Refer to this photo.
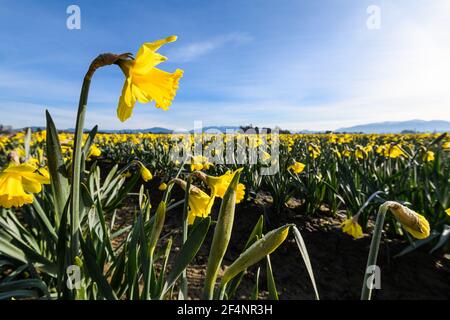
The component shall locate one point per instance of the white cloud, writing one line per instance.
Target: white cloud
(195, 50)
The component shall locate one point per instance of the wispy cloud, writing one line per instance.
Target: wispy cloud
(195, 50)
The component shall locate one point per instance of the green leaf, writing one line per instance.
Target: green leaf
(89, 141)
(23, 288)
(56, 167)
(304, 253)
(44, 219)
(255, 234)
(95, 271)
(164, 267)
(271, 287)
(416, 244)
(187, 252)
(443, 238)
(255, 291)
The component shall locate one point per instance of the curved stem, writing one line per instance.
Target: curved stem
(366, 291)
(101, 61)
(76, 168)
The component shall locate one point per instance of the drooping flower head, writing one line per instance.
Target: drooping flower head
(199, 203)
(145, 173)
(416, 224)
(352, 227)
(18, 182)
(144, 82)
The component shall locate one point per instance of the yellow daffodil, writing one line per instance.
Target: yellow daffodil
(162, 186)
(95, 151)
(144, 82)
(392, 151)
(314, 151)
(199, 163)
(347, 153)
(199, 202)
(219, 185)
(352, 227)
(146, 174)
(446, 145)
(297, 167)
(447, 211)
(416, 224)
(18, 182)
(360, 152)
(429, 156)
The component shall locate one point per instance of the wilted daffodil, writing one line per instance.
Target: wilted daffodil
(144, 82)
(219, 185)
(352, 227)
(18, 182)
(297, 167)
(199, 202)
(411, 221)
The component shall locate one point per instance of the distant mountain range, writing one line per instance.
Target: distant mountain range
(149, 130)
(399, 126)
(378, 127)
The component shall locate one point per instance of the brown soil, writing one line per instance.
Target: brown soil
(338, 261)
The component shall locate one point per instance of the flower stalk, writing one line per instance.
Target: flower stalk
(221, 238)
(366, 292)
(101, 61)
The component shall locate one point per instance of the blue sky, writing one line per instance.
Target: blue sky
(291, 63)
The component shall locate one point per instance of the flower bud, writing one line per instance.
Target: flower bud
(257, 251)
(157, 225)
(413, 222)
(222, 235)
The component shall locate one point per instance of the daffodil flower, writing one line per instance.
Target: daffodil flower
(199, 203)
(146, 174)
(18, 182)
(297, 167)
(144, 82)
(94, 151)
(416, 224)
(162, 186)
(219, 185)
(352, 227)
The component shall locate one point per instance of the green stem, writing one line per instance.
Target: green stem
(222, 289)
(366, 292)
(76, 169)
(101, 61)
(184, 282)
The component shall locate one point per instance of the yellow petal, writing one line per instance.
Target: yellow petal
(160, 86)
(147, 57)
(126, 102)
